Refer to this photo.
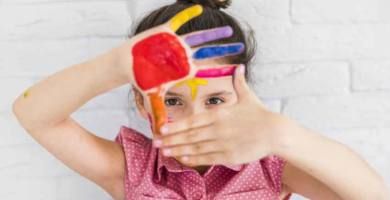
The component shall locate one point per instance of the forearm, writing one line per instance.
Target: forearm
(54, 98)
(332, 163)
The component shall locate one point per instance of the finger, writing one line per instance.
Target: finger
(159, 113)
(216, 72)
(191, 136)
(184, 16)
(201, 37)
(192, 122)
(204, 159)
(193, 149)
(240, 84)
(218, 51)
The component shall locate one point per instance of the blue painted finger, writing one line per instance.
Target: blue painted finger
(219, 51)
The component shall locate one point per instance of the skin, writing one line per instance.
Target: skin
(161, 58)
(45, 114)
(102, 161)
(191, 135)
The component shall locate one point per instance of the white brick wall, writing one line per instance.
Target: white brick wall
(325, 63)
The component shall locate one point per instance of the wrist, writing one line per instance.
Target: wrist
(123, 61)
(288, 133)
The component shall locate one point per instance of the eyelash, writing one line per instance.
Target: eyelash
(166, 101)
(178, 100)
(216, 98)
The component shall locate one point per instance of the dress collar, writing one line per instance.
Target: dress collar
(172, 165)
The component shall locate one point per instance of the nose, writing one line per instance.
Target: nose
(196, 109)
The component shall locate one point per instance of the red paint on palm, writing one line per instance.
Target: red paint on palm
(159, 59)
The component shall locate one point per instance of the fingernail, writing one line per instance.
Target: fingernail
(242, 69)
(185, 158)
(164, 129)
(167, 152)
(157, 143)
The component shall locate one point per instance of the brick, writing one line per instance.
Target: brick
(263, 13)
(30, 161)
(289, 80)
(77, 187)
(12, 132)
(340, 11)
(23, 2)
(106, 123)
(370, 144)
(275, 10)
(9, 94)
(41, 58)
(301, 43)
(42, 189)
(344, 111)
(371, 75)
(114, 99)
(140, 8)
(272, 105)
(82, 19)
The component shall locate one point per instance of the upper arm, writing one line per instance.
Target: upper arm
(98, 159)
(299, 182)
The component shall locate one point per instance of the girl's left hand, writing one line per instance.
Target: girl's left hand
(241, 133)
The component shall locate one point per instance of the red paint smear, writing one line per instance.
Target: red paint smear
(159, 59)
(216, 72)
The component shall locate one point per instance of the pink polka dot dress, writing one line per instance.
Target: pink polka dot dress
(151, 175)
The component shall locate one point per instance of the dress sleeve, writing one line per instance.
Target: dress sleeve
(137, 149)
(273, 166)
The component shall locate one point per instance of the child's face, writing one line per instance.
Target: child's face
(199, 95)
(196, 96)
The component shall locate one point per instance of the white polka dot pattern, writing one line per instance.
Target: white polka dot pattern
(150, 175)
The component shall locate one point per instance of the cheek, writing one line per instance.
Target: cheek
(178, 113)
(233, 100)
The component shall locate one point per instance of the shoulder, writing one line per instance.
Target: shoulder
(128, 135)
(138, 150)
(273, 167)
(133, 142)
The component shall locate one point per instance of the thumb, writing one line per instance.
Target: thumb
(240, 85)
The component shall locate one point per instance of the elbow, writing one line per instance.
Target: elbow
(19, 115)
(15, 110)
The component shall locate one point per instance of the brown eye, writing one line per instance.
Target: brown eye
(172, 102)
(214, 101)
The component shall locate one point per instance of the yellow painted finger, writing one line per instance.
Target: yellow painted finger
(184, 16)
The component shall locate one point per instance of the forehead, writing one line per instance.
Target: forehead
(213, 85)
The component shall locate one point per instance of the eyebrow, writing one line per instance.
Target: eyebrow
(211, 94)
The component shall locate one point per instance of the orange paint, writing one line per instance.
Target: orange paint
(159, 114)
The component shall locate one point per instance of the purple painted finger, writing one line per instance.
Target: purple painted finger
(209, 35)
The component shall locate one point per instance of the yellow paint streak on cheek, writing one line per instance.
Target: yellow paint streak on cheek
(193, 85)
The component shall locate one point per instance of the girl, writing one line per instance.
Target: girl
(220, 143)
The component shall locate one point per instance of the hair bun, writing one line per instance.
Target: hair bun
(215, 4)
